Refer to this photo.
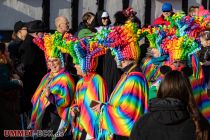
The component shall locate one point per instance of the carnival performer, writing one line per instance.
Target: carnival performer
(90, 87)
(155, 58)
(173, 115)
(205, 57)
(56, 88)
(128, 101)
(180, 41)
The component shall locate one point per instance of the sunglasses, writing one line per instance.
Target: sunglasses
(104, 18)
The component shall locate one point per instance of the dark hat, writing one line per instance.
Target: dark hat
(36, 26)
(19, 25)
(166, 7)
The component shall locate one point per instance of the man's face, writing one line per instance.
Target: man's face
(54, 64)
(166, 14)
(22, 33)
(79, 70)
(64, 25)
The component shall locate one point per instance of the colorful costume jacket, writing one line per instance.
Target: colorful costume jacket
(91, 87)
(127, 103)
(152, 74)
(62, 88)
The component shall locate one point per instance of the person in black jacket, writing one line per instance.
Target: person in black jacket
(18, 36)
(34, 63)
(173, 115)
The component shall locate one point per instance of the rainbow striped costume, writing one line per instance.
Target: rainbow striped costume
(91, 87)
(127, 103)
(198, 86)
(62, 88)
(152, 74)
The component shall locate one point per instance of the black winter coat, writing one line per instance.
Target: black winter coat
(168, 119)
(34, 69)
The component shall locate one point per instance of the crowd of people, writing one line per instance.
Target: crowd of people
(103, 83)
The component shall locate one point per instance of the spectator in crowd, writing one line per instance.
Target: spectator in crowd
(62, 24)
(86, 27)
(107, 66)
(19, 34)
(193, 11)
(205, 57)
(119, 18)
(33, 60)
(102, 20)
(10, 92)
(8, 79)
(130, 14)
(54, 95)
(173, 114)
(167, 10)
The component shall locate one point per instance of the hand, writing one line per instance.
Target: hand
(206, 63)
(15, 76)
(46, 92)
(20, 83)
(95, 106)
(46, 102)
(75, 112)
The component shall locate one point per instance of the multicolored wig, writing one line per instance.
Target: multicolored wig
(192, 26)
(84, 52)
(50, 45)
(180, 48)
(180, 39)
(123, 42)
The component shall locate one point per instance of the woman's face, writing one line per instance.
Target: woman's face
(105, 20)
(54, 64)
(89, 21)
(79, 70)
(155, 52)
